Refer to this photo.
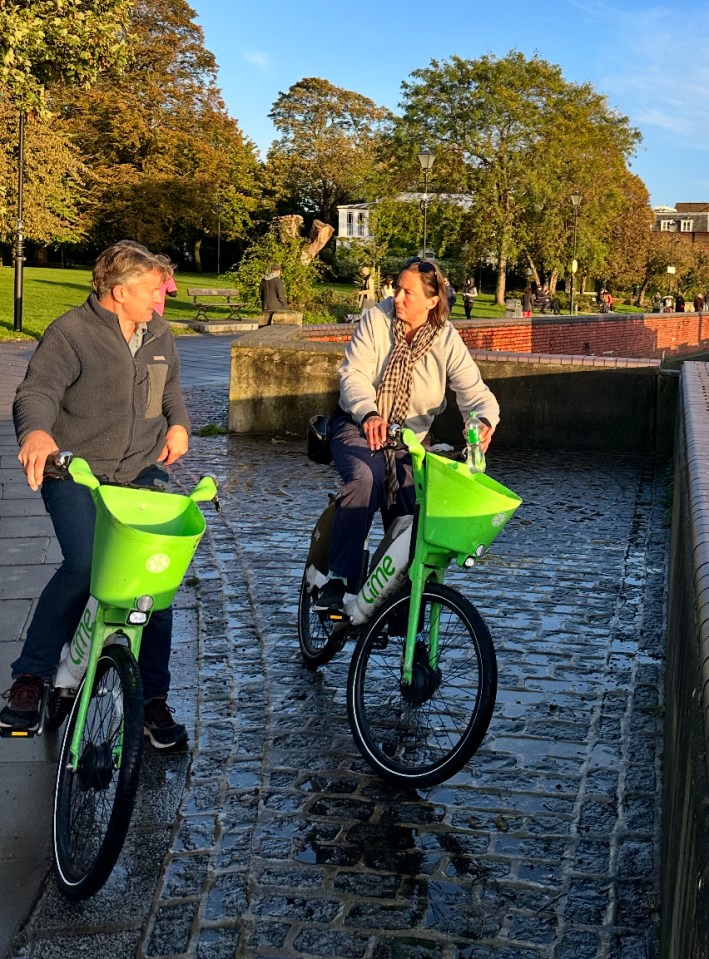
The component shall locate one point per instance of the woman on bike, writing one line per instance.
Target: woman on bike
(397, 365)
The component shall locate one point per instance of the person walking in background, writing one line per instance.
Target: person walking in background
(656, 303)
(527, 301)
(450, 293)
(698, 303)
(367, 294)
(272, 291)
(388, 287)
(679, 304)
(469, 293)
(168, 287)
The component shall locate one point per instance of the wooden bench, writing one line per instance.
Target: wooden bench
(207, 300)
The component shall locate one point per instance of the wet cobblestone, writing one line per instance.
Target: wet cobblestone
(545, 846)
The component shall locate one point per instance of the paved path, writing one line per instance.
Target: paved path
(282, 844)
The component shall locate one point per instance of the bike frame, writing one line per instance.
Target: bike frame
(108, 622)
(427, 563)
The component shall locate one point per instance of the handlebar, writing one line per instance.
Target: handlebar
(64, 465)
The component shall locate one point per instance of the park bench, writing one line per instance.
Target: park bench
(211, 299)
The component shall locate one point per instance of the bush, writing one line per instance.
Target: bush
(299, 277)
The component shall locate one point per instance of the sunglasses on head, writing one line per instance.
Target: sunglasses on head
(424, 265)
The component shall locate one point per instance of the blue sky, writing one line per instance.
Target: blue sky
(650, 60)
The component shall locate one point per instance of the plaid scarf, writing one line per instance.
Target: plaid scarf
(394, 392)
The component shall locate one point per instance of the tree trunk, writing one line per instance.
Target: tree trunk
(553, 280)
(197, 257)
(501, 279)
(533, 269)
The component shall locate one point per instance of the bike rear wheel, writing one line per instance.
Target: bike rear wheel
(420, 735)
(315, 631)
(94, 803)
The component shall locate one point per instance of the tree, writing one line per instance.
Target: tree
(168, 165)
(325, 152)
(519, 139)
(53, 180)
(47, 42)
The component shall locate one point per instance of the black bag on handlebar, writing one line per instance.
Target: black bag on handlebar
(319, 440)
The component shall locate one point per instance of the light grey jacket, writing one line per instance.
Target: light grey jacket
(448, 362)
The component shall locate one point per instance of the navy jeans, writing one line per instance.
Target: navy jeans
(363, 493)
(63, 599)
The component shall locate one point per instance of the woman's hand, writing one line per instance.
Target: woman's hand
(375, 432)
(486, 436)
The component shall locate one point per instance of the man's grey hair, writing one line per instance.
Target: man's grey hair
(126, 261)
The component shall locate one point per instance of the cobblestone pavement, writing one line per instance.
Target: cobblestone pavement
(286, 845)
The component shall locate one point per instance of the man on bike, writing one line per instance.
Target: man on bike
(103, 383)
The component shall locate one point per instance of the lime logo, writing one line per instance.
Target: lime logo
(499, 519)
(378, 580)
(157, 563)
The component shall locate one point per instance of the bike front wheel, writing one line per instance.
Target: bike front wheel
(93, 803)
(420, 734)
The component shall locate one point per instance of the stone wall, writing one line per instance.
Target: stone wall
(685, 847)
(640, 335)
(279, 380)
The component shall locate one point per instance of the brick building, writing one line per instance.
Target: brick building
(690, 221)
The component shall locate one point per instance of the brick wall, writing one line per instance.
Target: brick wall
(648, 335)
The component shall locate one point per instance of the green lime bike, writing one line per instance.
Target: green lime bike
(143, 543)
(423, 677)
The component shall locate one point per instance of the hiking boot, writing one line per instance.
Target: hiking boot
(331, 597)
(159, 726)
(24, 699)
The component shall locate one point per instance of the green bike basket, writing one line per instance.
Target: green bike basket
(143, 544)
(464, 511)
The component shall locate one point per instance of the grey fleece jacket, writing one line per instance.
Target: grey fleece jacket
(85, 389)
(448, 362)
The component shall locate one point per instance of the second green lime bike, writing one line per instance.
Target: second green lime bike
(423, 677)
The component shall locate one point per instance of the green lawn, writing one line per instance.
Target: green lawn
(49, 292)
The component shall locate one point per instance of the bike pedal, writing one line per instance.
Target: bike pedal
(8, 733)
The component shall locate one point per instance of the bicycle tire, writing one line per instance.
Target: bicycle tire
(93, 805)
(314, 631)
(423, 735)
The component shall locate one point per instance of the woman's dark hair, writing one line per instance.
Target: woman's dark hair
(432, 282)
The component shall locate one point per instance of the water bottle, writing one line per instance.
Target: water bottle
(475, 456)
(75, 654)
(389, 569)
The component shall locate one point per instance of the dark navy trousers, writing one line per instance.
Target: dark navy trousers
(363, 493)
(62, 602)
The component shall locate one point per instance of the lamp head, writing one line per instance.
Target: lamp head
(576, 200)
(426, 159)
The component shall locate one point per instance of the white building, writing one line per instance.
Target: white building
(353, 218)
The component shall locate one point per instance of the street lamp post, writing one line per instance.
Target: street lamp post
(426, 159)
(19, 240)
(219, 238)
(576, 203)
(671, 270)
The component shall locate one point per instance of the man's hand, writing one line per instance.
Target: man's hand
(375, 432)
(177, 443)
(34, 452)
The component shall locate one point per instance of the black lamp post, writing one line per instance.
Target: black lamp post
(426, 159)
(19, 239)
(219, 238)
(576, 203)
(672, 228)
